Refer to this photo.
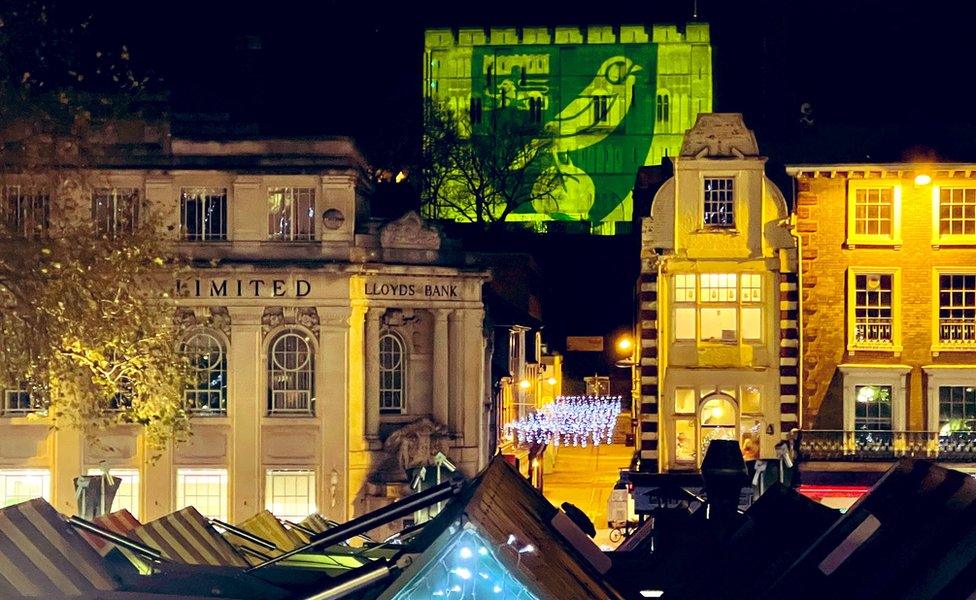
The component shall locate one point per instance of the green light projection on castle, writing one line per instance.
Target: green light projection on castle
(615, 99)
(465, 567)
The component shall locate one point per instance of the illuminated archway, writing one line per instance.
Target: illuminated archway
(718, 419)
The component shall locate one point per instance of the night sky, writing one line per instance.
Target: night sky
(881, 77)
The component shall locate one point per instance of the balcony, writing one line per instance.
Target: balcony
(839, 445)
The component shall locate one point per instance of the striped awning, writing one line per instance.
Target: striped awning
(265, 525)
(42, 556)
(317, 523)
(120, 521)
(186, 536)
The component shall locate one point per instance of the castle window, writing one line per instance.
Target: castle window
(719, 202)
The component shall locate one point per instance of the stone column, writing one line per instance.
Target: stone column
(456, 388)
(372, 364)
(442, 367)
(246, 403)
(333, 391)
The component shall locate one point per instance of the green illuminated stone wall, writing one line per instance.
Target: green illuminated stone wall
(616, 98)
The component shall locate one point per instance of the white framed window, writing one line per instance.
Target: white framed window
(956, 326)
(702, 414)
(718, 201)
(203, 214)
(115, 210)
(954, 214)
(127, 496)
(873, 213)
(874, 397)
(21, 485)
(207, 355)
(291, 374)
(291, 213)
(874, 304)
(392, 374)
(17, 401)
(290, 494)
(957, 408)
(26, 211)
(203, 489)
(724, 307)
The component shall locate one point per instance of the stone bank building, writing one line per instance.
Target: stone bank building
(335, 354)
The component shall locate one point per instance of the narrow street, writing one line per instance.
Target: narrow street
(585, 477)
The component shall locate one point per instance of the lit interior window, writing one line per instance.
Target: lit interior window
(290, 495)
(21, 485)
(203, 489)
(127, 497)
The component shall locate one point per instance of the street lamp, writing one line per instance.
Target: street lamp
(625, 344)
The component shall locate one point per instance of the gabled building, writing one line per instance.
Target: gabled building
(888, 278)
(717, 290)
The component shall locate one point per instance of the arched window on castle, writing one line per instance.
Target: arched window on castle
(392, 374)
(207, 355)
(291, 374)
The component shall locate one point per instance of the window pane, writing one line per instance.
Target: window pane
(751, 400)
(392, 374)
(684, 323)
(203, 214)
(685, 400)
(21, 485)
(751, 323)
(208, 360)
(291, 214)
(719, 201)
(873, 211)
(718, 324)
(684, 440)
(290, 495)
(957, 309)
(291, 374)
(957, 409)
(203, 489)
(873, 308)
(872, 407)
(750, 438)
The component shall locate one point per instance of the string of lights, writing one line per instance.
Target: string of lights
(569, 421)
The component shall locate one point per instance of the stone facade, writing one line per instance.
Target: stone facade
(358, 298)
(717, 291)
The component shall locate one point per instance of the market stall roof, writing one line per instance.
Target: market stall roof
(41, 555)
(912, 536)
(186, 536)
(120, 521)
(521, 543)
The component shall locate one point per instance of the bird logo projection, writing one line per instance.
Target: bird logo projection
(588, 119)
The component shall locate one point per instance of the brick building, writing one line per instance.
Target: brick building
(888, 282)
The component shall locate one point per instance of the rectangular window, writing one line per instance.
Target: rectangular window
(535, 110)
(290, 495)
(26, 212)
(203, 214)
(21, 485)
(957, 408)
(957, 211)
(872, 407)
(663, 108)
(751, 399)
(719, 202)
(291, 215)
(475, 111)
(957, 309)
(684, 400)
(684, 440)
(874, 211)
(115, 210)
(873, 309)
(127, 496)
(16, 402)
(204, 489)
(723, 308)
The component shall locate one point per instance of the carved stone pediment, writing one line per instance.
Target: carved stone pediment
(410, 232)
(719, 135)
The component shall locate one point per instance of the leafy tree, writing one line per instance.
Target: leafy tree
(86, 321)
(484, 173)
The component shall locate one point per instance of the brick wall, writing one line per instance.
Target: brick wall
(821, 210)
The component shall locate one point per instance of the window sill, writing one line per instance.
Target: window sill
(286, 415)
(730, 230)
(276, 242)
(879, 242)
(936, 349)
(954, 241)
(210, 419)
(889, 349)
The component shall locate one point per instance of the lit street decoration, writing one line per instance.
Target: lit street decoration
(570, 421)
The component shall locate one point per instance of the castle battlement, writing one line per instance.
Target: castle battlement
(695, 33)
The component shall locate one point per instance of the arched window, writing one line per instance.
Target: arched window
(393, 374)
(291, 374)
(207, 393)
(718, 420)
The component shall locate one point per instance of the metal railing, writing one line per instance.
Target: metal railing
(863, 445)
(873, 330)
(961, 332)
